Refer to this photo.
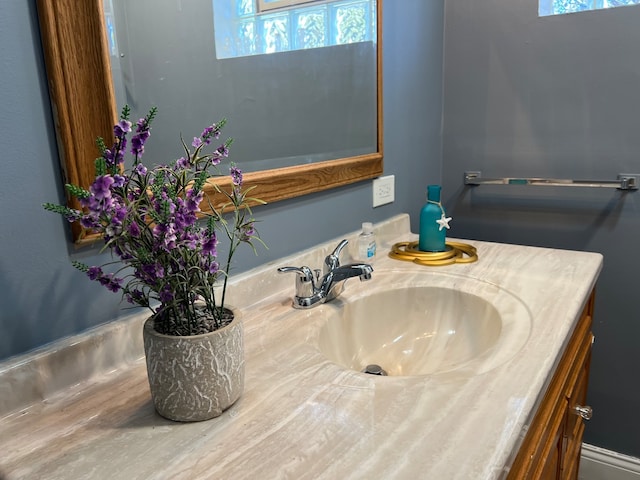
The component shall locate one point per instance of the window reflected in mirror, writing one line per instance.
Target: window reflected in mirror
(559, 7)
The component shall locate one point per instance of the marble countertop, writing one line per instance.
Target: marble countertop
(81, 409)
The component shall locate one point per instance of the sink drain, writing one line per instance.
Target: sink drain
(374, 369)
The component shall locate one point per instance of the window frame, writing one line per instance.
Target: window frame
(263, 6)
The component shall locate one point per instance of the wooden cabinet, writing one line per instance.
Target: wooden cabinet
(551, 448)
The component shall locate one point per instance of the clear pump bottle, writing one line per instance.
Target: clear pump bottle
(367, 243)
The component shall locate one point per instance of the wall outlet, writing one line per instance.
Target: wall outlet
(384, 190)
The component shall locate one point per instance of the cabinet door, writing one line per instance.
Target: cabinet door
(551, 448)
(574, 428)
(551, 469)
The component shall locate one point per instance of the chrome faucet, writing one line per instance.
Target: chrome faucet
(312, 290)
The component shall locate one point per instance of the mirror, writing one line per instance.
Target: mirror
(291, 95)
(78, 65)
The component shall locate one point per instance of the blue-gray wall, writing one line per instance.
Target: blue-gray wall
(554, 97)
(43, 298)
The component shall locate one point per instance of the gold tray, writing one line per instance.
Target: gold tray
(455, 252)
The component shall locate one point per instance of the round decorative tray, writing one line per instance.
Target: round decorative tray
(455, 252)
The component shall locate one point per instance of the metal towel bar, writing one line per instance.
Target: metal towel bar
(625, 181)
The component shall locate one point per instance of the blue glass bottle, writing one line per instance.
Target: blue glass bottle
(432, 237)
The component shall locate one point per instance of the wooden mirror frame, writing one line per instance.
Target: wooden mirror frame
(83, 102)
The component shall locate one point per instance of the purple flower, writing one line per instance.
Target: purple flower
(247, 231)
(118, 180)
(141, 170)
(147, 273)
(210, 244)
(140, 138)
(216, 157)
(100, 199)
(108, 157)
(223, 151)
(210, 265)
(109, 280)
(137, 146)
(94, 273)
(236, 175)
(196, 142)
(159, 270)
(89, 221)
(119, 214)
(193, 201)
(101, 186)
(214, 267)
(134, 229)
(165, 234)
(144, 135)
(183, 222)
(97, 205)
(118, 157)
(189, 240)
(112, 283)
(166, 295)
(182, 163)
(212, 131)
(121, 128)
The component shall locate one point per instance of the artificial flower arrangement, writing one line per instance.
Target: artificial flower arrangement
(167, 257)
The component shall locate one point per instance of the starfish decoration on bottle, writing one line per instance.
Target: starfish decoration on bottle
(443, 222)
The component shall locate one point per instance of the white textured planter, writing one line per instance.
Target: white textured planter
(195, 378)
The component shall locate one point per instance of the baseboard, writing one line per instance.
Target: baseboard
(601, 464)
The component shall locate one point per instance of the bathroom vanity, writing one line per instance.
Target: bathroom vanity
(553, 443)
(493, 398)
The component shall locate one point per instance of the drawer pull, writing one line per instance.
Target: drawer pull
(586, 412)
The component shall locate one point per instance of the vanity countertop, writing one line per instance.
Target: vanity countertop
(82, 409)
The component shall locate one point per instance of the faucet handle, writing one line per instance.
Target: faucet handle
(305, 284)
(332, 261)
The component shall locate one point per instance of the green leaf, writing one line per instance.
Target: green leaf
(200, 181)
(211, 225)
(101, 145)
(126, 111)
(77, 191)
(83, 267)
(151, 115)
(101, 166)
(61, 209)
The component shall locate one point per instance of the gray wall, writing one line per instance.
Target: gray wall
(554, 97)
(43, 298)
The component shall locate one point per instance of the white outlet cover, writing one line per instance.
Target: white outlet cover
(383, 190)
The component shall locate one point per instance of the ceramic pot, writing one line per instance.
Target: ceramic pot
(197, 377)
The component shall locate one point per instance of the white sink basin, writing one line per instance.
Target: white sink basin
(430, 328)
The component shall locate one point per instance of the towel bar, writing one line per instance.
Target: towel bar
(625, 181)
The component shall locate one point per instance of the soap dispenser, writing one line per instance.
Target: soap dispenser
(367, 243)
(433, 222)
